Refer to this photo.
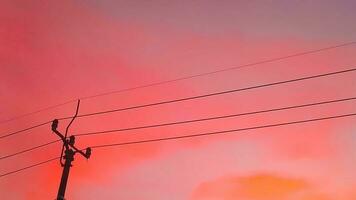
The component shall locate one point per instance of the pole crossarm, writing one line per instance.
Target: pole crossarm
(69, 151)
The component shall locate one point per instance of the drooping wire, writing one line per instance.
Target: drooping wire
(37, 111)
(188, 136)
(188, 122)
(221, 132)
(185, 78)
(66, 133)
(224, 70)
(220, 93)
(215, 117)
(25, 129)
(200, 96)
(29, 149)
(28, 167)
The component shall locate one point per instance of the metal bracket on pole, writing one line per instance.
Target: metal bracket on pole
(69, 150)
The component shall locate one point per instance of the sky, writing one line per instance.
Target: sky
(52, 52)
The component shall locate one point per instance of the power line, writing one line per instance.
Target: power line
(37, 111)
(216, 117)
(28, 167)
(224, 70)
(186, 122)
(221, 132)
(190, 136)
(185, 78)
(25, 129)
(29, 149)
(220, 93)
(198, 97)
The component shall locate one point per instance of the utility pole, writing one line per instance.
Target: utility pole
(69, 151)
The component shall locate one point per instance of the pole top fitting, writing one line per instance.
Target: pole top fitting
(54, 124)
(88, 152)
(71, 140)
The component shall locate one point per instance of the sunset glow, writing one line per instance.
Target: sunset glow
(55, 52)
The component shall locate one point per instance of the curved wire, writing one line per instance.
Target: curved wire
(217, 117)
(191, 136)
(224, 131)
(188, 77)
(29, 149)
(191, 121)
(66, 133)
(204, 95)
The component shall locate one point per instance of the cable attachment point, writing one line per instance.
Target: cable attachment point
(88, 152)
(71, 140)
(54, 125)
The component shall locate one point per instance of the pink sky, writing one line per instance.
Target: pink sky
(52, 52)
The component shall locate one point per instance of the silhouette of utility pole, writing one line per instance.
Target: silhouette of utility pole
(69, 151)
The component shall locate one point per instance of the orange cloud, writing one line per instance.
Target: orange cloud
(257, 187)
(270, 187)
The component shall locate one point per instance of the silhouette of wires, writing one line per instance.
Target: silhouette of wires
(215, 117)
(189, 136)
(29, 149)
(192, 98)
(187, 122)
(28, 167)
(220, 132)
(186, 78)
(221, 93)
